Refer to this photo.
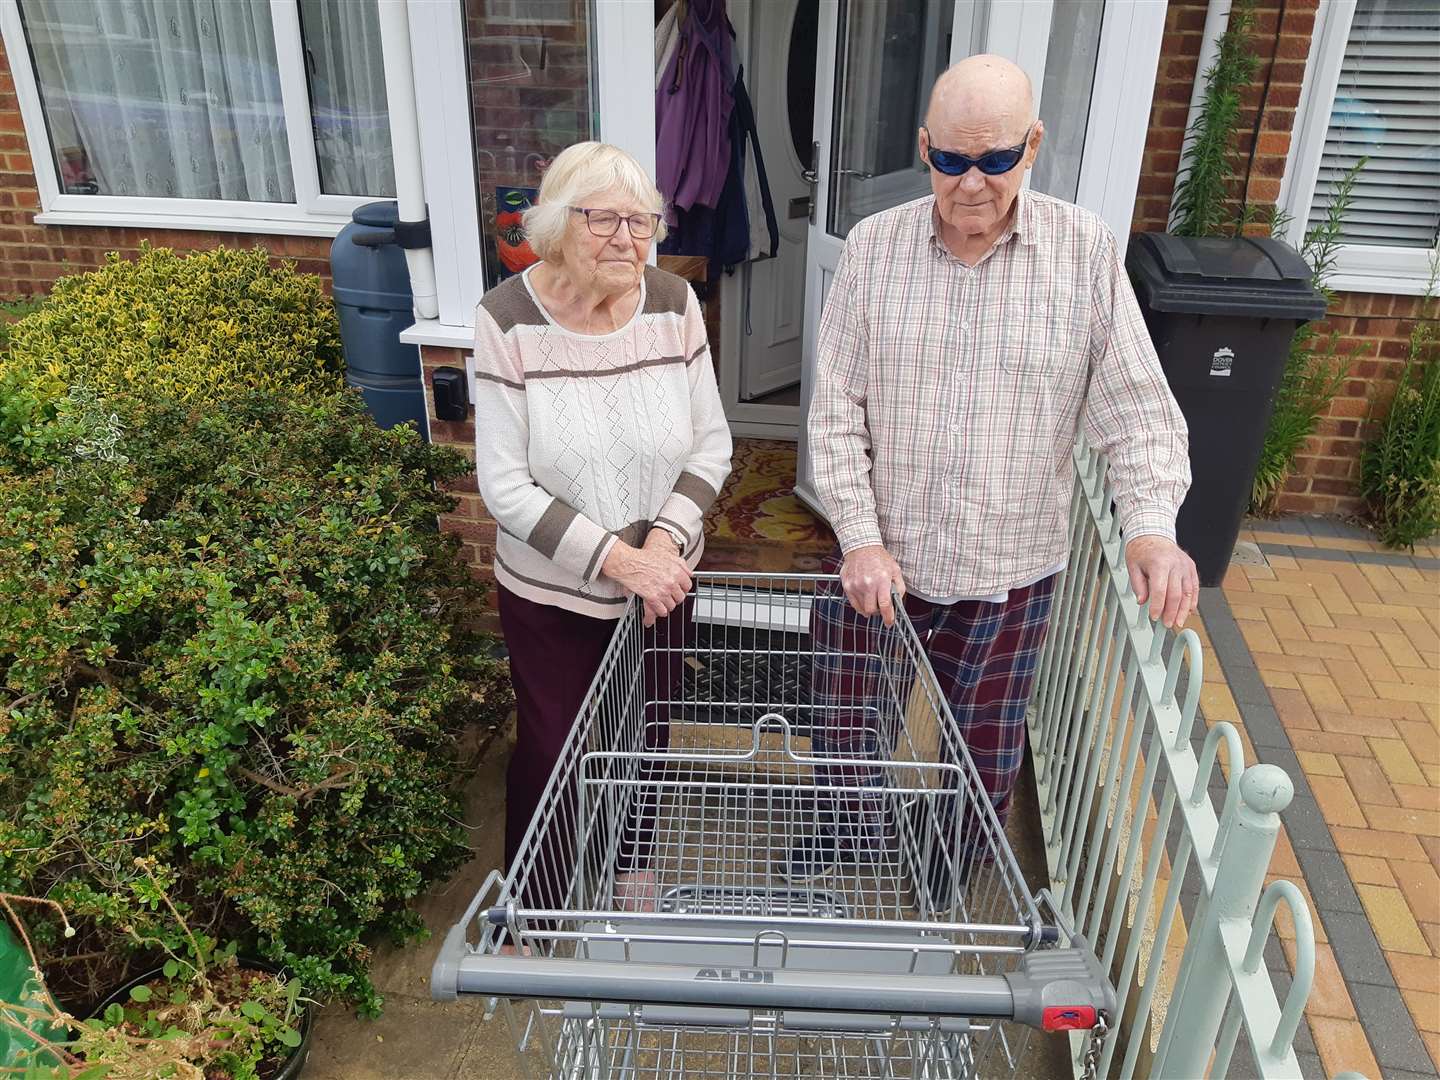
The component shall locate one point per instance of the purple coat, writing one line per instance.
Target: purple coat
(692, 110)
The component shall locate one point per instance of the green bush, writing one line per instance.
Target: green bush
(11, 312)
(201, 326)
(1400, 469)
(1207, 179)
(1313, 375)
(232, 643)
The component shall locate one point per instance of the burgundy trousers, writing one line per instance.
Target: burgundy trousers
(554, 657)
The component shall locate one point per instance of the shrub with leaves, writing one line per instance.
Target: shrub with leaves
(1400, 469)
(1312, 375)
(232, 642)
(11, 312)
(1207, 167)
(196, 327)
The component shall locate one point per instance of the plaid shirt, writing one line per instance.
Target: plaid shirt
(948, 397)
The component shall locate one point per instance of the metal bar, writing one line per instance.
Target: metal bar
(744, 988)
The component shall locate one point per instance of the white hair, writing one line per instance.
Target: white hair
(580, 172)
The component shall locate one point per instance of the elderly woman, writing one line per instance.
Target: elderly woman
(600, 444)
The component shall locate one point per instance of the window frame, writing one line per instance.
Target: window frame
(313, 213)
(1367, 268)
(623, 104)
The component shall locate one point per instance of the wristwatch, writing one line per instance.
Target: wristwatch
(675, 535)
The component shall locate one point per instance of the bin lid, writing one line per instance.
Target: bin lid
(384, 214)
(1249, 276)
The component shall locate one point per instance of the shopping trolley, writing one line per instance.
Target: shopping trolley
(765, 852)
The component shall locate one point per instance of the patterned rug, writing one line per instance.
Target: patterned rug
(757, 523)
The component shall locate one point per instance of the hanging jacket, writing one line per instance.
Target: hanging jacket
(723, 234)
(692, 110)
(753, 181)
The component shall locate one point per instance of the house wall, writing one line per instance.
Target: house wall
(469, 520)
(32, 256)
(1373, 329)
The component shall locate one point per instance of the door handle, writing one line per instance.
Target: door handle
(811, 176)
(858, 174)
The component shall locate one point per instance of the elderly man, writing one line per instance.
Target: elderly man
(967, 337)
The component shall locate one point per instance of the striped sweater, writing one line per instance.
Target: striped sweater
(585, 439)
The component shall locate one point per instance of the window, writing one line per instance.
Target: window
(1372, 93)
(531, 95)
(209, 113)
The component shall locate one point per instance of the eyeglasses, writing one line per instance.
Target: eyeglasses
(607, 222)
(995, 163)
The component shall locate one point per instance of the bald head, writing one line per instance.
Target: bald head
(982, 92)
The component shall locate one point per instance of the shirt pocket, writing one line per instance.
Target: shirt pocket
(1046, 338)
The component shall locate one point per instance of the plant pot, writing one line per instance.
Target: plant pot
(17, 987)
(294, 1064)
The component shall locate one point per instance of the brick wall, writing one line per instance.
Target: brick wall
(33, 256)
(469, 520)
(1179, 56)
(1375, 334)
(1373, 329)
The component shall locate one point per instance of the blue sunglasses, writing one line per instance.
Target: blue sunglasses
(995, 163)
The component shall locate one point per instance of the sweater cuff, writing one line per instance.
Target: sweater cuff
(571, 540)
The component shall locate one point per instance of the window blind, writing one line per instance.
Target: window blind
(1387, 110)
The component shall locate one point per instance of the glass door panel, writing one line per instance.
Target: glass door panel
(889, 54)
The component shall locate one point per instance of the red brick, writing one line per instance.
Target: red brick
(1288, 71)
(1266, 191)
(1349, 407)
(1292, 46)
(1189, 17)
(1325, 486)
(1276, 119)
(1268, 166)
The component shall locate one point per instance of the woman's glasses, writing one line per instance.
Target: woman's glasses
(994, 163)
(607, 222)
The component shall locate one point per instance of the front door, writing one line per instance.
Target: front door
(876, 61)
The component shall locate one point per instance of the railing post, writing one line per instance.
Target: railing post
(1203, 984)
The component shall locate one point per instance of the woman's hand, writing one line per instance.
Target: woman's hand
(655, 573)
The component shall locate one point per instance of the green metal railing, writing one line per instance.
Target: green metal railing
(1168, 887)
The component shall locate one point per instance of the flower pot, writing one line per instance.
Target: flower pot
(18, 987)
(293, 1065)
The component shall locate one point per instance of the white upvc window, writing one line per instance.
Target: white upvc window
(237, 115)
(1371, 90)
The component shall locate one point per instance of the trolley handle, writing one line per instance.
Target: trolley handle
(1059, 989)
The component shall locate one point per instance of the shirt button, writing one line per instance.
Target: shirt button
(965, 326)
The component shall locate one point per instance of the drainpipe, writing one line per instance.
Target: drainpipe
(1217, 18)
(413, 229)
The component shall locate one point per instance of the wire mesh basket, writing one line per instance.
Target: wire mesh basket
(764, 852)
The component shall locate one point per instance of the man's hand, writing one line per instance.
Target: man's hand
(1164, 577)
(867, 577)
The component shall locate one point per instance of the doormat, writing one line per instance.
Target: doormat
(757, 523)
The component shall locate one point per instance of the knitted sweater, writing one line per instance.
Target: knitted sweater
(585, 439)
